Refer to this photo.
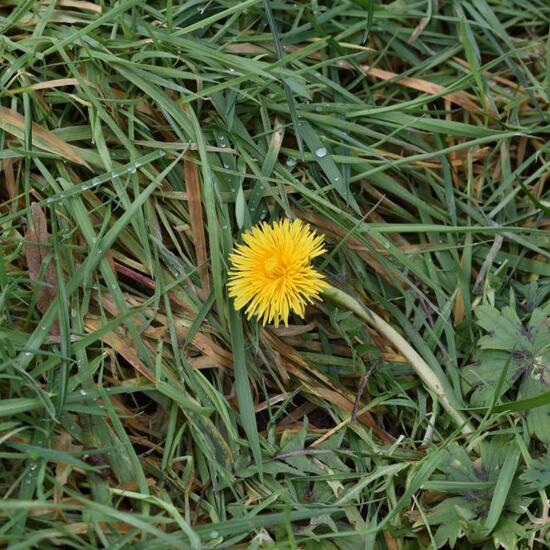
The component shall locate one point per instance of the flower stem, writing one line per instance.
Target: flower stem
(445, 396)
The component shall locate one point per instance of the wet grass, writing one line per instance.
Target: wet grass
(139, 139)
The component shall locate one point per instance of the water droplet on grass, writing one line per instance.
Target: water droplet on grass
(321, 152)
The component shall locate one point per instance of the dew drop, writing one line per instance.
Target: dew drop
(290, 162)
(27, 354)
(83, 392)
(73, 312)
(321, 152)
(113, 286)
(214, 534)
(96, 181)
(133, 170)
(43, 327)
(32, 466)
(99, 251)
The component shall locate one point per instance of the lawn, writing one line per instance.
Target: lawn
(407, 406)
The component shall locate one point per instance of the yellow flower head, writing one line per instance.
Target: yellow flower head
(272, 272)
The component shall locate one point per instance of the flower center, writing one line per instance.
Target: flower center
(274, 268)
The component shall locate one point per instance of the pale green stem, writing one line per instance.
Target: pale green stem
(432, 382)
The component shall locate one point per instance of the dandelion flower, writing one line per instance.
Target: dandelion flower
(271, 271)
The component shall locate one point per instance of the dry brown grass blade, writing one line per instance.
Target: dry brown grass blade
(340, 401)
(14, 123)
(79, 5)
(213, 354)
(330, 228)
(62, 469)
(197, 224)
(121, 346)
(143, 280)
(459, 158)
(36, 252)
(311, 379)
(9, 175)
(345, 402)
(47, 84)
(462, 99)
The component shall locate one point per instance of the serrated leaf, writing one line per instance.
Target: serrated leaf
(505, 329)
(451, 515)
(538, 476)
(293, 451)
(526, 351)
(539, 328)
(538, 419)
(484, 373)
(507, 532)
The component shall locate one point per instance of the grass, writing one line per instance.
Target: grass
(139, 139)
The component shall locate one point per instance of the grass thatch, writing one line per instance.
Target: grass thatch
(138, 139)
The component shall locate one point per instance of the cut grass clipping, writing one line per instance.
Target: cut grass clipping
(140, 140)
